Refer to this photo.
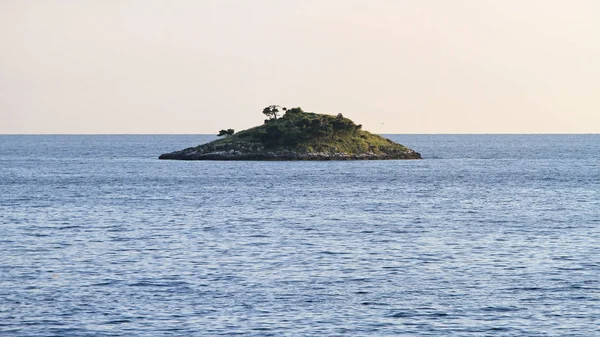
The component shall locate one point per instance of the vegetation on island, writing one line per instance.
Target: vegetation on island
(311, 132)
(227, 132)
(296, 134)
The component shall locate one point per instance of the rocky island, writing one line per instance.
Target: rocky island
(298, 135)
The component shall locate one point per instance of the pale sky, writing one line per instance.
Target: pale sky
(395, 66)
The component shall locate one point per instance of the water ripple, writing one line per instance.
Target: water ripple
(496, 236)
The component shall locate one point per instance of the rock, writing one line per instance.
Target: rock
(299, 136)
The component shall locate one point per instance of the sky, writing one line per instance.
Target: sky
(395, 66)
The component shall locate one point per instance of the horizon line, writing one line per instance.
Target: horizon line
(214, 134)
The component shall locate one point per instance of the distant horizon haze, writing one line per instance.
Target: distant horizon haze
(379, 133)
(396, 67)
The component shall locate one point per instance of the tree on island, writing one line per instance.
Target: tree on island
(272, 111)
(226, 133)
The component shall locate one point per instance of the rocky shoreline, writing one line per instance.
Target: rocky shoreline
(288, 156)
(240, 152)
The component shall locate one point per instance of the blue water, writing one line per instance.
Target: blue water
(488, 235)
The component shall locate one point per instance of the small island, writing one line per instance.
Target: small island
(297, 135)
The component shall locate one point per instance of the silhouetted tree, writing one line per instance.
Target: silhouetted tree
(227, 132)
(272, 111)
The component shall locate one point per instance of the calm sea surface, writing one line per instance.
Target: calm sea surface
(488, 235)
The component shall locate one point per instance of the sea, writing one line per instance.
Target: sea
(488, 235)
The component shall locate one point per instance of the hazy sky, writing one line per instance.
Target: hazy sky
(396, 66)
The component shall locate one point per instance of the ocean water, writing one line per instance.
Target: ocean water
(488, 235)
